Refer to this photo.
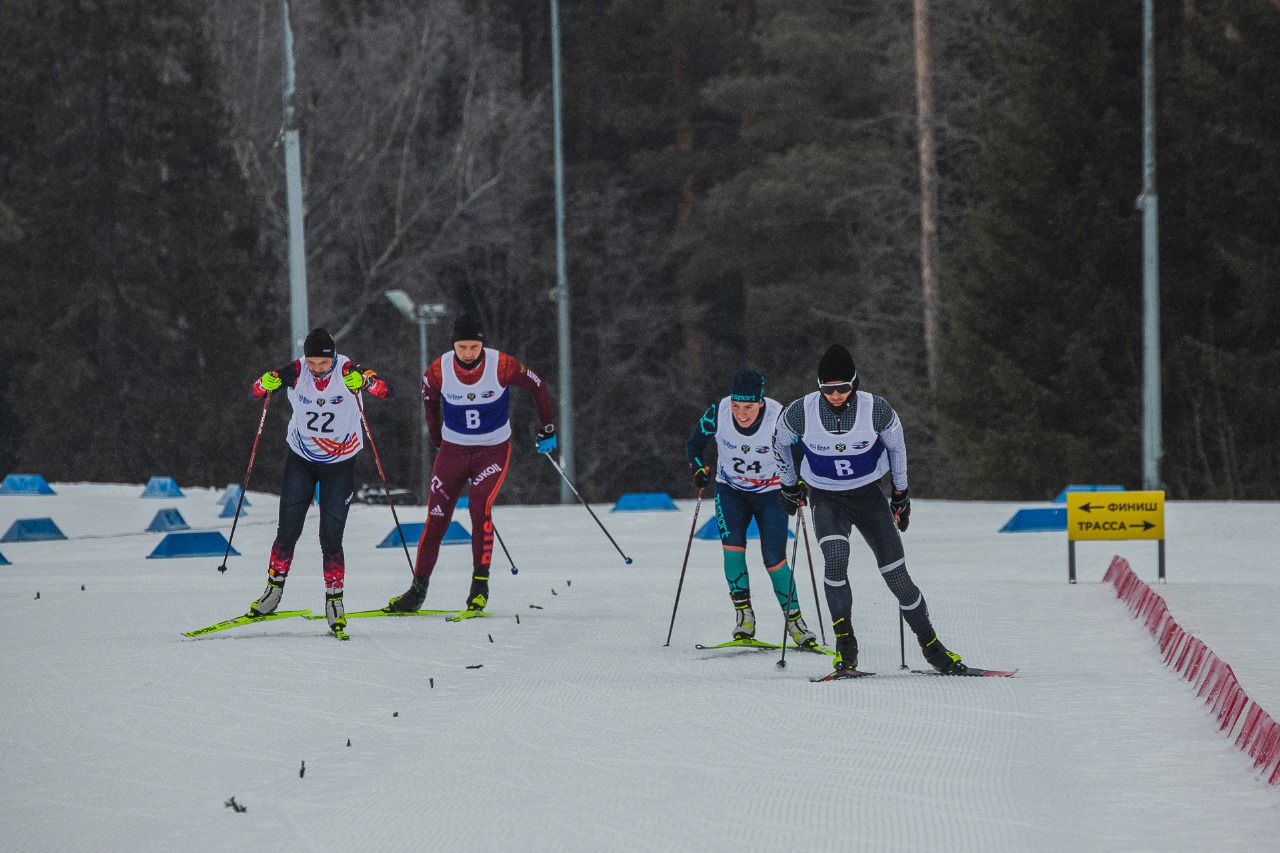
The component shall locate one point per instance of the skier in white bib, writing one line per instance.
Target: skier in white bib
(747, 487)
(850, 439)
(324, 437)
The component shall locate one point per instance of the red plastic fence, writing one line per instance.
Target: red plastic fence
(1259, 734)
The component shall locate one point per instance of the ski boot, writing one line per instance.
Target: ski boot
(746, 627)
(411, 600)
(479, 595)
(336, 614)
(270, 600)
(800, 633)
(945, 662)
(846, 646)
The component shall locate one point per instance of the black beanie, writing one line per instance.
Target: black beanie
(837, 366)
(747, 387)
(467, 328)
(319, 344)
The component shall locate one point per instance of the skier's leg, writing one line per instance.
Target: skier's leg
(296, 492)
(448, 476)
(488, 471)
(831, 527)
(771, 519)
(733, 513)
(337, 487)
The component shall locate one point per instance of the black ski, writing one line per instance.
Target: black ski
(972, 671)
(840, 675)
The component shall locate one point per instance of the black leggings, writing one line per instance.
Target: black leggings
(336, 481)
(835, 514)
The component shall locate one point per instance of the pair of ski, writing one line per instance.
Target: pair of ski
(761, 644)
(974, 672)
(453, 616)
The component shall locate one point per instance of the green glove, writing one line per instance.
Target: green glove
(271, 381)
(355, 380)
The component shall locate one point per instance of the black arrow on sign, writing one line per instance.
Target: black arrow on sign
(1146, 525)
(1086, 507)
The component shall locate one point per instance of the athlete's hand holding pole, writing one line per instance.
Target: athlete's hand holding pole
(683, 566)
(564, 477)
(245, 487)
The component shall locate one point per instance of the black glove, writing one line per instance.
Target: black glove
(791, 497)
(701, 477)
(900, 503)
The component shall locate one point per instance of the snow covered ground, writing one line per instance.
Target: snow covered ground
(581, 731)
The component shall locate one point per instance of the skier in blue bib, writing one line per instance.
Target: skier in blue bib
(849, 440)
(747, 486)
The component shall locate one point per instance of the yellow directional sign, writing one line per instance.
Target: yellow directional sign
(1115, 515)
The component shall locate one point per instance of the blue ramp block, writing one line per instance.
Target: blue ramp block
(162, 487)
(168, 520)
(203, 543)
(1032, 520)
(464, 503)
(640, 501)
(232, 496)
(229, 509)
(711, 530)
(25, 484)
(454, 535)
(33, 530)
(1062, 496)
(3, 561)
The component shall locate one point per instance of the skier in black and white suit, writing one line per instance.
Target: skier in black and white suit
(848, 440)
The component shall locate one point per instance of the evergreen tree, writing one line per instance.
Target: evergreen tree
(1044, 354)
(141, 303)
(1220, 257)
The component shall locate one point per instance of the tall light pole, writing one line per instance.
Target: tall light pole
(562, 279)
(1152, 439)
(293, 196)
(423, 315)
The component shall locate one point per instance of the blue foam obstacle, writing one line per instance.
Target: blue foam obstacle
(203, 543)
(168, 520)
(1034, 520)
(162, 487)
(711, 530)
(33, 530)
(232, 496)
(641, 501)
(229, 509)
(454, 535)
(25, 484)
(4, 562)
(1062, 496)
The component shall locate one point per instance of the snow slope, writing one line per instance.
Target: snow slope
(580, 730)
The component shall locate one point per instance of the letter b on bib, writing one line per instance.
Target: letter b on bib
(844, 468)
(473, 419)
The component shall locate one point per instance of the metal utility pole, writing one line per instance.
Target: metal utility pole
(1148, 202)
(562, 280)
(423, 315)
(928, 193)
(293, 192)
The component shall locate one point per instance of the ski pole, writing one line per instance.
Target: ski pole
(245, 487)
(565, 477)
(683, 566)
(795, 549)
(812, 578)
(383, 477)
(514, 570)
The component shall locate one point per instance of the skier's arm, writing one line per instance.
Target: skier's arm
(431, 385)
(285, 377)
(698, 439)
(786, 435)
(885, 422)
(358, 378)
(512, 372)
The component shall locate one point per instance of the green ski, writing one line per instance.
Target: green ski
(467, 614)
(244, 620)
(761, 644)
(369, 614)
